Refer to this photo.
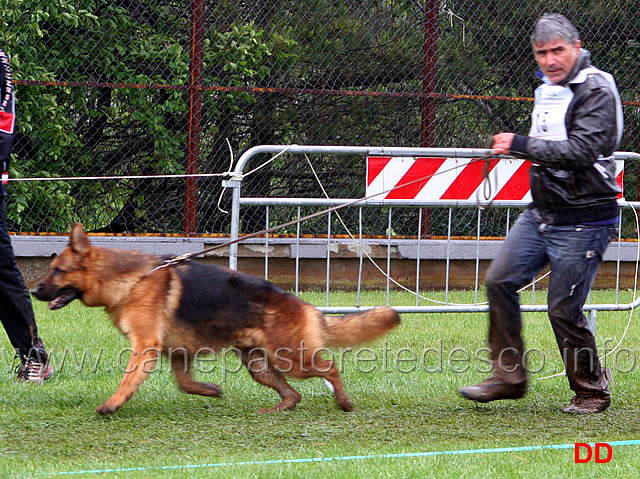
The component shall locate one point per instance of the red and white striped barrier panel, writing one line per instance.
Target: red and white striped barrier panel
(450, 179)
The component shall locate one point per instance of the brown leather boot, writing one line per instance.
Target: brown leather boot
(588, 404)
(493, 389)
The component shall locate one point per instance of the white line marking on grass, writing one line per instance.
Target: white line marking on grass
(339, 458)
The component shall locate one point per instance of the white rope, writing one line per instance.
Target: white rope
(270, 160)
(234, 175)
(120, 177)
(451, 16)
(224, 189)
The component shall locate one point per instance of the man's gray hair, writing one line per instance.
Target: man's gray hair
(553, 26)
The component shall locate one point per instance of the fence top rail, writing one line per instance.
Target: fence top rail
(327, 202)
(382, 151)
(360, 150)
(476, 308)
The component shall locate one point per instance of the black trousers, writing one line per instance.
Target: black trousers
(16, 310)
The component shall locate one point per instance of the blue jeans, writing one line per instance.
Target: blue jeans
(574, 253)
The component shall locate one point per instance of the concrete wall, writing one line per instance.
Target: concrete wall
(34, 254)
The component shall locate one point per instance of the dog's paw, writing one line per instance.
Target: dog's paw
(105, 408)
(212, 389)
(267, 410)
(289, 403)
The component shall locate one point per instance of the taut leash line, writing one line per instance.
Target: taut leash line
(187, 256)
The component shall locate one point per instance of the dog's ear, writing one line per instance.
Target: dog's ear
(78, 240)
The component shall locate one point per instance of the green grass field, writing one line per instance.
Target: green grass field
(408, 420)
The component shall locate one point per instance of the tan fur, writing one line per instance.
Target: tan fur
(360, 328)
(274, 333)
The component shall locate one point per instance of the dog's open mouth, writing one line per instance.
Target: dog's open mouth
(64, 297)
(59, 298)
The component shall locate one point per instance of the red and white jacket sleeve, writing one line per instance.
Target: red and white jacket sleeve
(7, 114)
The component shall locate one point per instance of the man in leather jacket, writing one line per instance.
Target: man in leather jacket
(16, 311)
(576, 127)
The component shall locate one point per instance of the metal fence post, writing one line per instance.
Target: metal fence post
(235, 220)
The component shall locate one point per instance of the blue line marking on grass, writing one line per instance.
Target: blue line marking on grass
(339, 458)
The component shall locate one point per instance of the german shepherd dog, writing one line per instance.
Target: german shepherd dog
(182, 310)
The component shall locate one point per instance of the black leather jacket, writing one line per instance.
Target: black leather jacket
(573, 180)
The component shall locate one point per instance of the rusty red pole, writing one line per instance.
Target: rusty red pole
(190, 221)
(429, 70)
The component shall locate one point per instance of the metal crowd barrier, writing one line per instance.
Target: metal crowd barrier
(422, 249)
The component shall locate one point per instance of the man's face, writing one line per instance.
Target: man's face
(556, 58)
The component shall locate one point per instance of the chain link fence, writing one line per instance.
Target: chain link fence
(140, 89)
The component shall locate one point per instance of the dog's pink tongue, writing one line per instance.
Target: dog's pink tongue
(54, 304)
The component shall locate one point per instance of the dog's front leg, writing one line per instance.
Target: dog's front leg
(141, 363)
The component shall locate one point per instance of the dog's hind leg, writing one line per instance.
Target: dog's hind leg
(257, 363)
(333, 376)
(325, 369)
(181, 365)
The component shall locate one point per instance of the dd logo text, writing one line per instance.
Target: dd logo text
(589, 452)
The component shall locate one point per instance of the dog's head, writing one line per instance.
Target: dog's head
(67, 274)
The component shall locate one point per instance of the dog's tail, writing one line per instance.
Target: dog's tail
(358, 328)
